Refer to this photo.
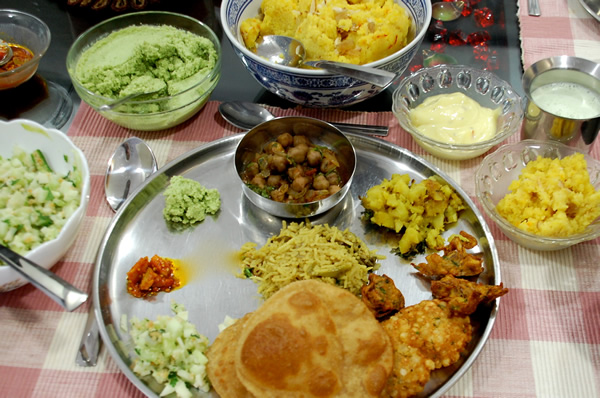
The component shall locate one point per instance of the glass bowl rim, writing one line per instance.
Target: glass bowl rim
(502, 223)
(517, 105)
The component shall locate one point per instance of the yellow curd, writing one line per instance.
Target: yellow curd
(454, 119)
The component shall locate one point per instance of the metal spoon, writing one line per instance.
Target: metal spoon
(246, 115)
(284, 50)
(447, 11)
(59, 290)
(112, 105)
(8, 55)
(132, 162)
(533, 8)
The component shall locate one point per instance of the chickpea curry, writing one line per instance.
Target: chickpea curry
(291, 169)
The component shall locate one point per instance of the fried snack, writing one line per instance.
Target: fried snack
(381, 296)
(425, 336)
(220, 367)
(455, 260)
(313, 339)
(464, 296)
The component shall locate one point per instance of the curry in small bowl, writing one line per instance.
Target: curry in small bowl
(295, 166)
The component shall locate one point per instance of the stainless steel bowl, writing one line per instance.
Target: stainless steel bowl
(319, 133)
(542, 124)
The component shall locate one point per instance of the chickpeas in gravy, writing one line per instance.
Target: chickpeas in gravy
(291, 169)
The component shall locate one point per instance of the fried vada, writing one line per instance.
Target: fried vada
(425, 336)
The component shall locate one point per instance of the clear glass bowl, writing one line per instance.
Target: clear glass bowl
(503, 166)
(484, 87)
(173, 109)
(26, 30)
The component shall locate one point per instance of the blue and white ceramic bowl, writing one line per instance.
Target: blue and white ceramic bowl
(317, 88)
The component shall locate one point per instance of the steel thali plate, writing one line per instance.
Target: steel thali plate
(209, 249)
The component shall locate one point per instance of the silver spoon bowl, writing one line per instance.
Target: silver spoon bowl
(8, 55)
(284, 50)
(132, 162)
(246, 115)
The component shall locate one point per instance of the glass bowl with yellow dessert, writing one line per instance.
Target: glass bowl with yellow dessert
(163, 65)
(543, 195)
(457, 112)
(383, 34)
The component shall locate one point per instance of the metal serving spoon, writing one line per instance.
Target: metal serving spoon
(284, 50)
(59, 290)
(8, 55)
(132, 162)
(112, 105)
(246, 115)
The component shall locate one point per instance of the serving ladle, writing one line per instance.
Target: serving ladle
(284, 50)
(130, 165)
(246, 115)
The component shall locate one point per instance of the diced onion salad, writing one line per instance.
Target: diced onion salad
(171, 350)
(35, 202)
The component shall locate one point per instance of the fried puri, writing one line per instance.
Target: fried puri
(309, 339)
(221, 364)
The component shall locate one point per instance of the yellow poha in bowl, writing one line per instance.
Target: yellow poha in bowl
(552, 197)
(543, 195)
(356, 32)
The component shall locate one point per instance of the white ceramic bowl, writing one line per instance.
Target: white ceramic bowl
(317, 88)
(503, 166)
(483, 86)
(62, 155)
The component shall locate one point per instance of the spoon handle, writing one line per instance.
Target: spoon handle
(378, 77)
(362, 129)
(87, 355)
(61, 291)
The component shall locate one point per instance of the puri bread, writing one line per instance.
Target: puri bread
(312, 339)
(221, 365)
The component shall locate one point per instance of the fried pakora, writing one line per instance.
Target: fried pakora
(463, 296)
(425, 336)
(455, 259)
(381, 296)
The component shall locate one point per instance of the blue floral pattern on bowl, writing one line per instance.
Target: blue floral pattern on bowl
(316, 88)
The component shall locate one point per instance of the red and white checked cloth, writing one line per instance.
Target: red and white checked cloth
(546, 341)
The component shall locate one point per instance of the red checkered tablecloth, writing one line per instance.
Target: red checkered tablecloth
(546, 341)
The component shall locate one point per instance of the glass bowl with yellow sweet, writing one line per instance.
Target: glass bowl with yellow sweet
(543, 195)
(457, 112)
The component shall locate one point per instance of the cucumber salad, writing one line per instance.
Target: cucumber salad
(35, 201)
(171, 350)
